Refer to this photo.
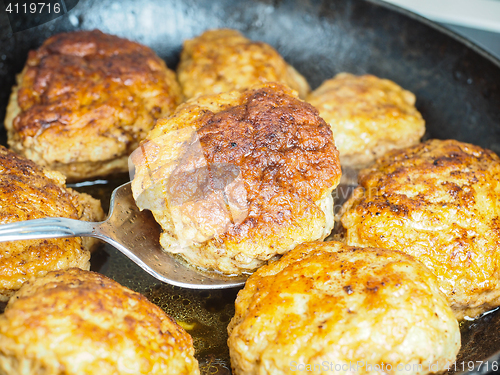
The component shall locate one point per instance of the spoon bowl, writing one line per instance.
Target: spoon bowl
(133, 232)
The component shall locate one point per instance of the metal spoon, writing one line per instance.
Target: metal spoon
(133, 232)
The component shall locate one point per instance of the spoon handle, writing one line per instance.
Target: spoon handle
(51, 227)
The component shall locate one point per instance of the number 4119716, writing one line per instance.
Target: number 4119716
(471, 365)
(33, 8)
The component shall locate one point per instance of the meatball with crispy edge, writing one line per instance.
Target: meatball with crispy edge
(439, 202)
(368, 116)
(85, 100)
(325, 302)
(28, 192)
(80, 322)
(288, 162)
(224, 60)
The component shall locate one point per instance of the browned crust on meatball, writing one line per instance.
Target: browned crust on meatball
(284, 150)
(80, 322)
(368, 115)
(325, 301)
(27, 192)
(288, 161)
(85, 100)
(224, 60)
(437, 201)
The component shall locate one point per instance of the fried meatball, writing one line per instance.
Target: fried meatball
(368, 115)
(85, 100)
(325, 303)
(28, 192)
(224, 60)
(439, 202)
(79, 322)
(288, 166)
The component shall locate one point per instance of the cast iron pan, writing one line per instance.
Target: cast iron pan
(457, 87)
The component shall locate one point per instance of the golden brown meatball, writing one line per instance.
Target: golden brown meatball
(85, 100)
(79, 322)
(368, 115)
(28, 192)
(224, 60)
(286, 163)
(438, 201)
(327, 304)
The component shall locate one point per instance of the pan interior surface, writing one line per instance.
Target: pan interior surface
(457, 88)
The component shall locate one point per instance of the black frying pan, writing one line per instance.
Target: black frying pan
(457, 87)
